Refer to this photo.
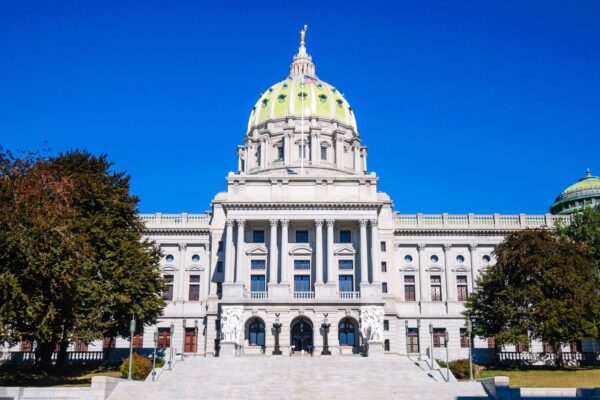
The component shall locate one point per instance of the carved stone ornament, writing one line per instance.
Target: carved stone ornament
(371, 323)
(232, 328)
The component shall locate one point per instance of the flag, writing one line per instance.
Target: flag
(308, 79)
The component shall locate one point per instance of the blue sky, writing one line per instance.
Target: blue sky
(466, 106)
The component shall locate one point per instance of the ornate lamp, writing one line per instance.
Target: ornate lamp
(325, 325)
(154, 357)
(470, 332)
(276, 330)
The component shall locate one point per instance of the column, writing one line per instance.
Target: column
(422, 293)
(239, 271)
(364, 260)
(357, 164)
(331, 275)
(273, 252)
(447, 248)
(284, 250)
(181, 273)
(375, 252)
(473, 264)
(229, 263)
(319, 249)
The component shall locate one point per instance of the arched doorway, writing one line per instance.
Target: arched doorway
(302, 334)
(256, 332)
(348, 333)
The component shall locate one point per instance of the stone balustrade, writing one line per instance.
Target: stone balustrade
(476, 221)
(182, 220)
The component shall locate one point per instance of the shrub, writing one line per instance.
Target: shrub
(460, 368)
(140, 368)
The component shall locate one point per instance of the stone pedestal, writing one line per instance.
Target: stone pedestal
(375, 350)
(228, 350)
(279, 291)
(325, 291)
(233, 291)
(371, 292)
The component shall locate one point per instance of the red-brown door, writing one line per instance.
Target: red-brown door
(190, 340)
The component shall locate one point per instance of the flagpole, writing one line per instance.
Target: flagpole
(302, 127)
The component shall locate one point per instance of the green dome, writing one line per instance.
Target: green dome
(287, 98)
(584, 193)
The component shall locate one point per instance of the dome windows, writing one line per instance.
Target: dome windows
(302, 95)
(339, 102)
(323, 98)
(285, 86)
(265, 102)
(281, 98)
(319, 86)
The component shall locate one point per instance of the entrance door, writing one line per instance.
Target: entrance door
(190, 340)
(412, 342)
(302, 335)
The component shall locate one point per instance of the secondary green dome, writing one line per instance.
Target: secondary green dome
(583, 193)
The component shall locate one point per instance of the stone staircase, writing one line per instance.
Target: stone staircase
(299, 378)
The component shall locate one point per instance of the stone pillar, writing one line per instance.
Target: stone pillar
(375, 252)
(364, 260)
(181, 273)
(339, 151)
(284, 251)
(319, 249)
(473, 264)
(273, 252)
(239, 270)
(422, 293)
(447, 248)
(229, 262)
(331, 274)
(357, 163)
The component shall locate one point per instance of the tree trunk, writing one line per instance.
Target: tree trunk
(43, 355)
(61, 359)
(557, 349)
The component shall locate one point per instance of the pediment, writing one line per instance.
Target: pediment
(169, 268)
(195, 268)
(257, 250)
(409, 268)
(301, 250)
(435, 268)
(344, 250)
(461, 269)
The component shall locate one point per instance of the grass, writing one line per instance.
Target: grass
(67, 376)
(548, 377)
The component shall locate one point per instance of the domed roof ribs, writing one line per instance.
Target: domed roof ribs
(302, 62)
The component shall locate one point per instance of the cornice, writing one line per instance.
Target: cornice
(309, 205)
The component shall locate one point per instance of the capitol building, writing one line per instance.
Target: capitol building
(302, 254)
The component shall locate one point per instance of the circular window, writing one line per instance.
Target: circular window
(195, 258)
(169, 258)
(486, 259)
(460, 259)
(407, 258)
(281, 98)
(265, 102)
(434, 259)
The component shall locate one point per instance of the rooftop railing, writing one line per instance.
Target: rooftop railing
(476, 221)
(183, 219)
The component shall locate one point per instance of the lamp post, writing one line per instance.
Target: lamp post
(431, 348)
(171, 332)
(469, 332)
(406, 334)
(195, 337)
(419, 337)
(183, 323)
(447, 362)
(154, 358)
(277, 329)
(132, 331)
(325, 325)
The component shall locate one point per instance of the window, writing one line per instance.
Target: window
(347, 333)
(434, 258)
(220, 266)
(164, 338)
(26, 346)
(408, 258)
(409, 288)
(82, 346)
(256, 333)
(195, 258)
(301, 236)
(219, 289)
(521, 347)
(386, 325)
(382, 246)
(137, 342)
(324, 153)
(345, 237)
(412, 340)
(575, 347)
(460, 259)
(302, 151)
(194, 292)
(384, 288)
(258, 236)
(491, 342)
(257, 283)
(109, 342)
(436, 288)
(280, 152)
(168, 295)
(462, 290)
(257, 264)
(383, 266)
(346, 283)
(345, 264)
(301, 283)
(438, 337)
(301, 264)
(464, 338)
(220, 247)
(546, 348)
(258, 150)
(486, 259)
(169, 258)
(386, 345)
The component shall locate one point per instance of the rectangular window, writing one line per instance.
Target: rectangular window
(575, 346)
(301, 236)
(386, 345)
(26, 346)
(301, 283)
(436, 288)
(382, 246)
(109, 342)
(345, 264)
(301, 264)
(82, 346)
(194, 292)
(220, 248)
(164, 338)
(324, 153)
(462, 290)
(280, 153)
(138, 341)
(346, 283)
(219, 289)
(409, 288)
(412, 340)
(491, 342)
(220, 267)
(257, 264)
(168, 295)
(258, 236)
(257, 283)
(546, 348)
(345, 237)
(384, 288)
(464, 338)
(438, 337)
(383, 266)
(386, 325)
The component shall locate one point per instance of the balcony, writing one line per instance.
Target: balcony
(349, 295)
(259, 295)
(304, 295)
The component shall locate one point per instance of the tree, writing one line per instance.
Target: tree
(585, 229)
(543, 287)
(74, 262)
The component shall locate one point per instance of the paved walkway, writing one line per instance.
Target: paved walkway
(297, 378)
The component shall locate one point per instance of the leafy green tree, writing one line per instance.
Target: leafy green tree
(543, 287)
(112, 274)
(585, 229)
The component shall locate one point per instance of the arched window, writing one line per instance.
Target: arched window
(347, 333)
(256, 333)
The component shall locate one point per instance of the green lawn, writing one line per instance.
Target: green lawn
(68, 376)
(573, 377)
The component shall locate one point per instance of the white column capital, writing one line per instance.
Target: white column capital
(421, 247)
(182, 246)
(472, 246)
(318, 222)
(273, 222)
(285, 222)
(447, 246)
(241, 222)
(229, 222)
(330, 222)
(374, 222)
(363, 222)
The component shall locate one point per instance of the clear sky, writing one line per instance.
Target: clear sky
(466, 106)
